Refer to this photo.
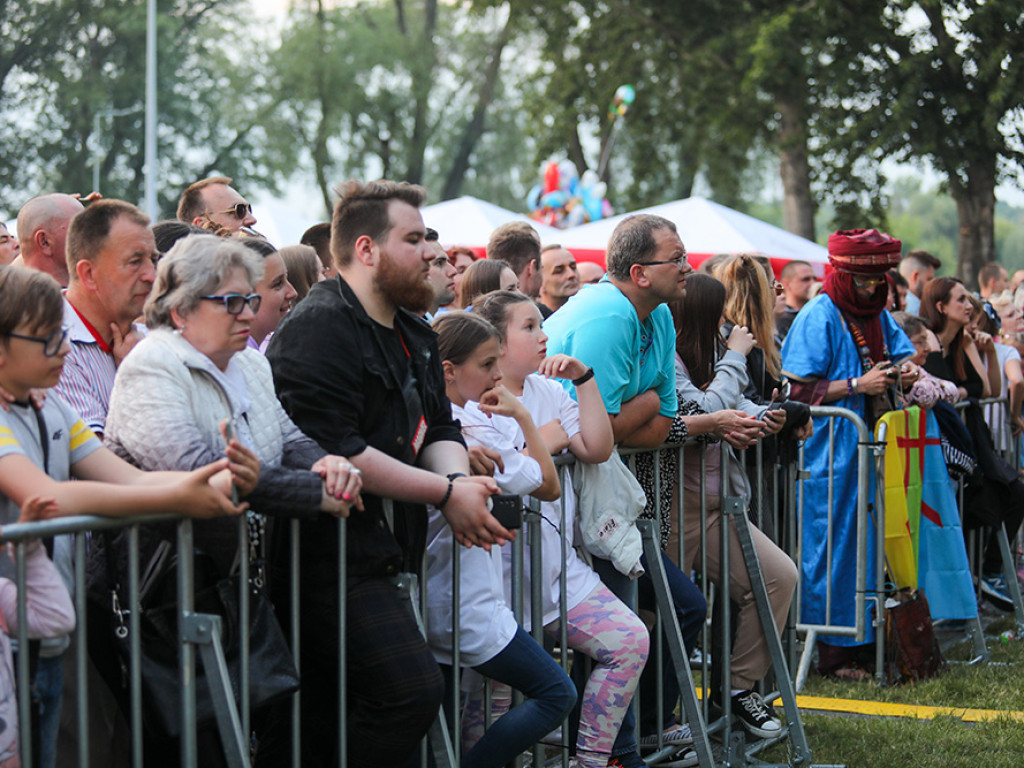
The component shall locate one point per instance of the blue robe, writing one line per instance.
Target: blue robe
(820, 346)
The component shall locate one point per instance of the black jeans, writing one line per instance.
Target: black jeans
(394, 685)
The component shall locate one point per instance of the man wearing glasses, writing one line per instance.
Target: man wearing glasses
(111, 256)
(215, 200)
(621, 329)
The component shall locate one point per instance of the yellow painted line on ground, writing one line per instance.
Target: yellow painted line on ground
(889, 709)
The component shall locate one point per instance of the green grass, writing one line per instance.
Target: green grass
(944, 742)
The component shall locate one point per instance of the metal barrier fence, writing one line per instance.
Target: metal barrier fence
(201, 632)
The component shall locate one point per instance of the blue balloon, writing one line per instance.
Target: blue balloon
(592, 205)
(555, 199)
(533, 197)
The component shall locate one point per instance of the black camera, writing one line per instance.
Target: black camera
(507, 509)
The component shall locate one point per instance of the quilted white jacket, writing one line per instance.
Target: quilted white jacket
(166, 406)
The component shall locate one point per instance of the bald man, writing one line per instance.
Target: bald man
(42, 230)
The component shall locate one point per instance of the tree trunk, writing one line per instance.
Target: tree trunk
(976, 211)
(422, 85)
(794, 168)
(475, 127)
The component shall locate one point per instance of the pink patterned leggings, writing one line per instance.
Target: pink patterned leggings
(603, 628)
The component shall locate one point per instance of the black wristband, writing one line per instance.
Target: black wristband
(451, 486)
(584, 378)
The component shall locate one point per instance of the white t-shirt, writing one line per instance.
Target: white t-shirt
(545, 399)
(486, 623)
(995, 415)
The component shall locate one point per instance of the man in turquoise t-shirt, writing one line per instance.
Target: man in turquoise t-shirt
(622, 329)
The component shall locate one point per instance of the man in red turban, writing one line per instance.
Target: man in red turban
(843, 349)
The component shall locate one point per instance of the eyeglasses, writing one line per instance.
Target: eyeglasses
(51, 343)
(235, 303)
(239, 210)
(777, 287)
(679, 263)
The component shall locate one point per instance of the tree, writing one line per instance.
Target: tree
(401, 90)
(214, 112)
(940, 81)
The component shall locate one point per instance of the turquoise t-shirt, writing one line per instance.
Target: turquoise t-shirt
(599, 327)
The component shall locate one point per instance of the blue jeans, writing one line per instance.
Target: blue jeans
(49, 687)
(691, 609)
(550, 695)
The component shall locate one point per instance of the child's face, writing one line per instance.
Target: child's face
(23, 362)
(479, 373)
(526, 344)
(922, 346)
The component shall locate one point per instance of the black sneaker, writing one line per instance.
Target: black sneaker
(756, 716)
(996, 591)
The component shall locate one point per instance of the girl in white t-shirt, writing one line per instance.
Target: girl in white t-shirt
(490, 640)
(598, 624)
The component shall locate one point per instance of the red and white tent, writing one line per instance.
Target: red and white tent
(469, 221)
(706, 229)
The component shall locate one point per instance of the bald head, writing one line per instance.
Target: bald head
(42, 231)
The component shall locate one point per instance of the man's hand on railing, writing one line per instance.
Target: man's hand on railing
(467, 514)
(484, 460)
(202, 498)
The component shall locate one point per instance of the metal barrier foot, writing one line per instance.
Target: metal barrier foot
(680, 658)
(203, 630)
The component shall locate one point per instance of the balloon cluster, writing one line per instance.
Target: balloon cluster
(564, 199)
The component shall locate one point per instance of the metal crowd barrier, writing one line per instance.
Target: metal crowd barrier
(864, 525)
(201, 633)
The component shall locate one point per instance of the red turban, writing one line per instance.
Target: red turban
(865, 251)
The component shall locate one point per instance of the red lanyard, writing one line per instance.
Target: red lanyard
(95, 334)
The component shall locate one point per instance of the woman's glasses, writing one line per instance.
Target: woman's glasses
(234, 303)
(51, 343)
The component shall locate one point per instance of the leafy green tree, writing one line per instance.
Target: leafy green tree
(214, 107)
(940, 81)
(402, 90)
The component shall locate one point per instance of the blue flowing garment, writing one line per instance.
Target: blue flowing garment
(820, 346)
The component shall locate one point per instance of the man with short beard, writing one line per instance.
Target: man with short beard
(361, 374)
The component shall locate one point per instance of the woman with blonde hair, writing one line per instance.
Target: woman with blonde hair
(750, 303)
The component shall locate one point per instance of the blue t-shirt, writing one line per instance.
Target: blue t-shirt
(599, 327)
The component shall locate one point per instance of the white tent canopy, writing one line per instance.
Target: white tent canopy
(708, 228)
(469, 221)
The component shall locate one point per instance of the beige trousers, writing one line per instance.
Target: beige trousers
(750, 655)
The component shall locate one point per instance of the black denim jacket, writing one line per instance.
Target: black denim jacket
(338, 387)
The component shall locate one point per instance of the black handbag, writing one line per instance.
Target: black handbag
(272, 671)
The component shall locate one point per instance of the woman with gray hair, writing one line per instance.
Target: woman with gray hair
(192, 375)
